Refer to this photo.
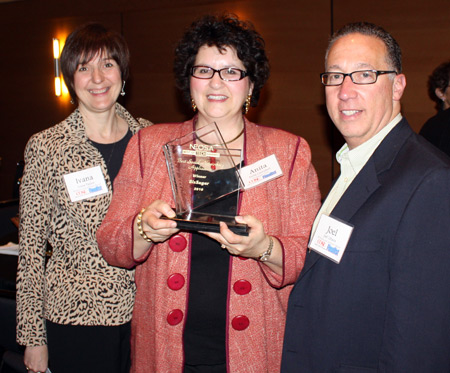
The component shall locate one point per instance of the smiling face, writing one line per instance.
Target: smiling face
(361, 111)
(97, 84)
(216, 99)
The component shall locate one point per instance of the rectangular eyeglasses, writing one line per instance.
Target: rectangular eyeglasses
(229, 74)
(357, 77)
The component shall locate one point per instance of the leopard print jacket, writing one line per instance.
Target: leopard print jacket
(76, 286)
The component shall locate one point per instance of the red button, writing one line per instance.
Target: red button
(242, 287)
(175, 281)
(174, 317)
(240, 322)
(177, 243)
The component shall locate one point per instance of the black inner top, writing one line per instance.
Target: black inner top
(113, 154)
(205, 329)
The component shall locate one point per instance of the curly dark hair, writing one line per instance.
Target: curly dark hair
(84, 43)
(439, 78)
(222, 31)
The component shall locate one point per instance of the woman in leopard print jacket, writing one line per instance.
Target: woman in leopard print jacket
(73, 312)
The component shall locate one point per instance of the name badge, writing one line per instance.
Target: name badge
(85, 184)
(331, 238)
(260, 172)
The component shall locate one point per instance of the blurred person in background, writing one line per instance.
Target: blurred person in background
(437, 129)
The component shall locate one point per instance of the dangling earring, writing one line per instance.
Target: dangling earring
(247, 103)
(72, 101)
(122, 93)
(194, 107)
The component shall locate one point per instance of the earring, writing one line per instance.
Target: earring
(72, 101)
(247, 103)
(194, 107)
(122, 93)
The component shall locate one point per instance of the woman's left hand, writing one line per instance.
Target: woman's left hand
(251, 246)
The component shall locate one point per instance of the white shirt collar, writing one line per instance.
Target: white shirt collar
(361, 154)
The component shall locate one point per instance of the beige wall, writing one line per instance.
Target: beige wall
(295, 32)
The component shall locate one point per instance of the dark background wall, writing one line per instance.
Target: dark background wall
(295, 31)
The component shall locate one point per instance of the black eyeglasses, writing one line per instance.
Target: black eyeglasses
(229, 74)
(357, 77)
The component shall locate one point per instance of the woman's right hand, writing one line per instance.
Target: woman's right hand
(155, 228)
(36, 358)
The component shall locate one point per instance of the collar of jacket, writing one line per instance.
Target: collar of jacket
(77, 129)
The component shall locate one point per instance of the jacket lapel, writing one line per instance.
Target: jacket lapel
(366, 182)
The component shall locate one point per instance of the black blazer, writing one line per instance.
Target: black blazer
(386, 306)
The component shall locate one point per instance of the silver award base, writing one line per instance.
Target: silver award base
(208, 223)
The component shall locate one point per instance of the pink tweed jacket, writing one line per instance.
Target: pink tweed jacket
(255, 318)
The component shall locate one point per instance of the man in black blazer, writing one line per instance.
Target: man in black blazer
(374, 294)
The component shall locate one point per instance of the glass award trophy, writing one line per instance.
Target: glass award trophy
(205, 181)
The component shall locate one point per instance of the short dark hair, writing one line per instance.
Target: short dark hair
(84, 43)
(394, 53)
(222, 31)
(439, 78)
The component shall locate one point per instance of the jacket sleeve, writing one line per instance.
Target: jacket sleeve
(299, 209)
(115, 235)
(416, 335)
(35, 210)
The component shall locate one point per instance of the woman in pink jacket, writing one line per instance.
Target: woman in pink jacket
(213, 302)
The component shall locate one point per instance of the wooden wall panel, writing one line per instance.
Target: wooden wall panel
(295, 36)
(295, 32)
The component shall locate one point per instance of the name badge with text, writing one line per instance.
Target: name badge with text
(260, 172)
(85, 184)
(331, 238)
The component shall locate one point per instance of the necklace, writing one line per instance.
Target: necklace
(212, 160)
(111, 154)
(226, 142)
